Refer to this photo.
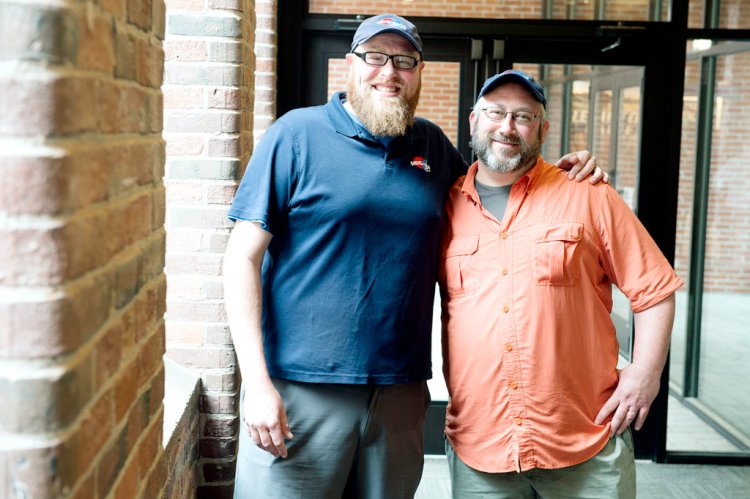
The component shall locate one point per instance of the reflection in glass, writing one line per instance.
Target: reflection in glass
(602, 128)
(629, 126)
(684, 220)
(579, 115)
(716, 420)
(553, 147)
(733, 14)
(725, 335)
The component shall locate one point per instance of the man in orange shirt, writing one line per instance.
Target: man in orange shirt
(537, 406)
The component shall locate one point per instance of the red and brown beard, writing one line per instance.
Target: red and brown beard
(384, 119)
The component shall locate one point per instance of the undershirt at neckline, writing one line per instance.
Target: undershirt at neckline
(494, 198)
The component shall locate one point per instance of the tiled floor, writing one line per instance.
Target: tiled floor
(724, 369)
(687, 432)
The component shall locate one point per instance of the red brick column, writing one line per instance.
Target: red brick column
(265, 66)
(82, 239)
(208, 130)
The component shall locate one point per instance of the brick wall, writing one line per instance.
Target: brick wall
(579, 119)
(628, 142)
(208, 109)
(464, 8)
(553, 142)
(632, 10)
(687, 168)
(81, 278)
(728, 236)
(337, 75)
(734, 14)
(727, 263)
(439, 98)
(602, 128)
(265, 66)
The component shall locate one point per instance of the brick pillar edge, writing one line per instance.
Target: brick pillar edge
(208, 100)
(82, 241)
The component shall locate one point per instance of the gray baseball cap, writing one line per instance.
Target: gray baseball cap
(386, 23)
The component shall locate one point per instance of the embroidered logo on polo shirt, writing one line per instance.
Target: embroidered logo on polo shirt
(421, 163)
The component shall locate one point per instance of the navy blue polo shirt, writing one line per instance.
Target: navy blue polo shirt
(349, 275)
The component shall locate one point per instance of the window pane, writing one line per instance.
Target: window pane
(602, 127)
(716, 420)
(725, 335)
(619, 10)
(695, 13)
(629, 128)
(733, 14)
(579, 118)
(684, 219)
(552, 147)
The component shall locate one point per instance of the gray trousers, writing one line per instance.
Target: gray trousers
(363, 441)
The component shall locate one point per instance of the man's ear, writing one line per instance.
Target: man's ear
(545, 130)
(472, 121)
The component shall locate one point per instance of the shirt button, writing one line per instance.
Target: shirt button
(505, 271)
(506, 308)
(513, 385)
(518, 421)
(509, 347)
(504, 235)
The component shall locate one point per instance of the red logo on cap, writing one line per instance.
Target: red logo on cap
(389, 21)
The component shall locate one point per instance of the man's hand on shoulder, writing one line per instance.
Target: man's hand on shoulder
(580, 165)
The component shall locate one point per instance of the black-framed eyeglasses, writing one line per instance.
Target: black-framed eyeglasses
(524, 118)
(380, 59)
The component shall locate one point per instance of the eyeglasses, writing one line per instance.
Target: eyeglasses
(524, 118)
(380, 59)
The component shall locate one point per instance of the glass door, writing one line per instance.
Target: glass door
(711, 339)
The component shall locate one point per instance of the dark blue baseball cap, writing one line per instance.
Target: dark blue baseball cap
(514, 76)
(386, 23)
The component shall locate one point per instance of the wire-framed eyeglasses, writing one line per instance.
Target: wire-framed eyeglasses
(380, 59)
(524, 118)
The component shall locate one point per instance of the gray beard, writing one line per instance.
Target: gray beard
(499, 163)
(383, 121)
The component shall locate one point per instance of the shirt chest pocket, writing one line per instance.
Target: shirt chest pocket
(461, 267)
(553, 249)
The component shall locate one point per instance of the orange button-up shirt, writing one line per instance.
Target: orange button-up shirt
(530, 352)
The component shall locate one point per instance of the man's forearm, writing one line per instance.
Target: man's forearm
(638, 382)
(243, 297)
(653, 330)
